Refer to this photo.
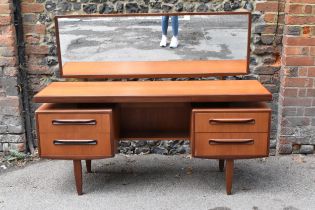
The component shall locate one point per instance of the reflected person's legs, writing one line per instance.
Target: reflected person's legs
(174, 41)
(164, 24)
(175, 25)
(164, 31)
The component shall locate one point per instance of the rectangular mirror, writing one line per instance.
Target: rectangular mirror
(153, 45)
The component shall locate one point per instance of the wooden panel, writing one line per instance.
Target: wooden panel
(154, 120)
(103, 147)
(105, 131)
(232, 122)
(154, 91)
(231, 145)
(141, 69)
(73, 123)
(231, 107)
(75, 108)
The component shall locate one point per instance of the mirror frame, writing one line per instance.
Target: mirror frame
(146, 69)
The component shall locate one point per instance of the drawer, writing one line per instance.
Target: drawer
(218, 122)
(231, 145)
(73, 123)
(75, 145)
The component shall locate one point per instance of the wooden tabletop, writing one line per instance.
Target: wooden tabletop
(154, 69)
(153, 91)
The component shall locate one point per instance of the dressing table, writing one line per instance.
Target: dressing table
(223, 119)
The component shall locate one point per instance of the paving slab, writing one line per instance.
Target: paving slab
(163, 182)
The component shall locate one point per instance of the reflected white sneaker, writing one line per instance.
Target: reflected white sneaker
(163, 41)
(174, 42)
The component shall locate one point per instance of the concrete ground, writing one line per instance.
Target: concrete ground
(163, 182)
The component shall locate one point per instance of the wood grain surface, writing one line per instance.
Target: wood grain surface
(154, 69)
(154, 91)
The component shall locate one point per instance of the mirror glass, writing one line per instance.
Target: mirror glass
(153, 38)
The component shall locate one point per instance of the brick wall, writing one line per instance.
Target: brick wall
(266, 47)
(297, 96)
(11, 121)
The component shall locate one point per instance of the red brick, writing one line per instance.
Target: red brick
(296, 50)
(39, 69)
(9, 61)
(7, 41)
(5, 8)
(299, 61)
(270, 18)
(289, 92)
(37, 49)
(267, 6)
(301, 1)
(5, 20)
(294, 101)
(300, 20)
(308, 9)
(311, 72)
(303, 71)
(310, 92)
(294, 9)
(312, 51)
(7, 30)
(36, 28)
(298, 82)
(299, 41)
(302, 92)
(32, 39)
(32, 8)
(306, 32)
(36, 59)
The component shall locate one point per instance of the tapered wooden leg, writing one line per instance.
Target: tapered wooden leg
(88, 164)
(78, 175)
(221, 165)
(229, 168)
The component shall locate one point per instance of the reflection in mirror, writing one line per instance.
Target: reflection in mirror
(140, 38)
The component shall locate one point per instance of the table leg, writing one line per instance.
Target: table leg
(88, 164)
(229, 168)
(78, 175)
(221, 165)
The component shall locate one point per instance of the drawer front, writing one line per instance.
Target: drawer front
(75, 145)
(231, 144)
(218, 122)
(73, 123)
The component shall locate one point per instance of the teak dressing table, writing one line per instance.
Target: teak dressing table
(223, 119)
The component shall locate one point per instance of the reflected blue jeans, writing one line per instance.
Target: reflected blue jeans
(174, 20)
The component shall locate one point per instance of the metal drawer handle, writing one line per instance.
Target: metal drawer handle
(74, 122)
(75, 142)
(231, 141)
(232, 120)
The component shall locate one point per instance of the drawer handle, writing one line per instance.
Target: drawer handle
(244, 120)
(231, 141)
(75, 142)
(74, 122)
